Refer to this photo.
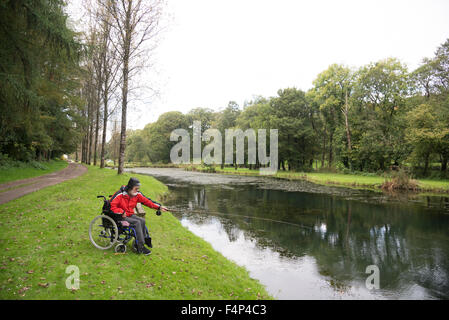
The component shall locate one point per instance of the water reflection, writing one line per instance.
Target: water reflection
(317, 244)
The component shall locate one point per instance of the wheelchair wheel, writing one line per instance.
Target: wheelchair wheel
(120, 248)
(103, 232)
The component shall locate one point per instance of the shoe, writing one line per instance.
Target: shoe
(145, 251)
(148, 242)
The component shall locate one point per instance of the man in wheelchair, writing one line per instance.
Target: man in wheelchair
(124, 202)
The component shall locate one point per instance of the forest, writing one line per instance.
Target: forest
(374, 118)
(59, 89)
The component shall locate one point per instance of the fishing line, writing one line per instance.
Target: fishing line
(242, 216)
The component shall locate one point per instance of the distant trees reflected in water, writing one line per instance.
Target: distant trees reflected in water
(409, 243)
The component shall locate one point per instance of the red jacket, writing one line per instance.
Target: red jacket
(122, 202)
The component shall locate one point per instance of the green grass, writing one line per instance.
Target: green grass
(46, 231)
(29, 171)
(434, 185)
(373, 182)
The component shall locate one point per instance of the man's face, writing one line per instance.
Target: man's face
(135, 190)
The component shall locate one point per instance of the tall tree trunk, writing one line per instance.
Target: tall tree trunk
(323, 154)
(108, 75)
(97, 126)
(105, 123)
(126, 55)
(89, 130)
(121, 159)
(89, 144)
(426, 164)
(331, 151)
(444, 163)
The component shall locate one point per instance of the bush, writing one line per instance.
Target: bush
(6, 163)
(400, 180)
(37, 165)
(201, 168)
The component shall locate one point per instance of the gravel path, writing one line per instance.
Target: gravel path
(22, 187)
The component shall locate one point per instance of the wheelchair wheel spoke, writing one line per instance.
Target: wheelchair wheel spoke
(103, 232)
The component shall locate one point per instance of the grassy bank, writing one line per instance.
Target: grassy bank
(373, 182)
(24, 170)
(46, 231)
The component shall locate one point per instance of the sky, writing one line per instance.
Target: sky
(212, 52)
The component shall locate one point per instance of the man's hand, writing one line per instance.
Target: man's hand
(163, 209)
(125, 223)
(124, 215)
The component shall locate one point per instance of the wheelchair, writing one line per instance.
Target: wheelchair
(106, 231)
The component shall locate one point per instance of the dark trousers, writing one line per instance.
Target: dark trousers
(138, 224)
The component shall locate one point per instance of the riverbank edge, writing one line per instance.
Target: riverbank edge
(376, 187)
(353, 184)
(210, 275)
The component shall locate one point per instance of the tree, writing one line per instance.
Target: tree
(39, 80)
(226, 120)
(332, 91)
(428, 133)
(441, 67)
(291, 115)
(134, 22)
(157, 135)
(110, 67)
(380, 93)
(424, 78)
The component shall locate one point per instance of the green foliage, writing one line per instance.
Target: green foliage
(366, 121)
(40, 80)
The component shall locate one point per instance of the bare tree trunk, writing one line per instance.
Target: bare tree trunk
(331, 151)
(426, 164)
(114, 139)
(84, 141)
(97, 124)
(105, 123)
(323, 154)
(90, 137)
(121, 159)
(98, 89)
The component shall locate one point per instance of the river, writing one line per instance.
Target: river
(306, 241)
